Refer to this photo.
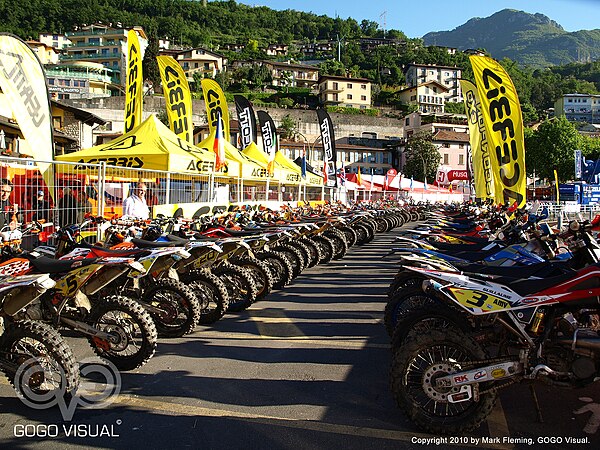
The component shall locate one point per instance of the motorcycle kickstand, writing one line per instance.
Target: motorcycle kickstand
(536, 403)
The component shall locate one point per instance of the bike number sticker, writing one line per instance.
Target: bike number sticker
(480, 300)
(69, 284)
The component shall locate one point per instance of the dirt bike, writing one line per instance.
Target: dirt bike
(484, 333)
(118, 328)
(35, 358)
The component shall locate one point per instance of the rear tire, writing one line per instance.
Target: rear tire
(418, 362)
(181, 308)
(211, 290)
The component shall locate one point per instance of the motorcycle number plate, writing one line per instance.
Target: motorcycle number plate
(473, 299)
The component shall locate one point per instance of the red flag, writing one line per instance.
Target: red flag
(325, 174)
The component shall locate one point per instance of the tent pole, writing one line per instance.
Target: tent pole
(168, 189)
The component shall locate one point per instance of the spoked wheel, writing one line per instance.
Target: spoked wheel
(133, 333)
(38, 362)
(424, 358)
(240, 286)
(173, 307)
(211, 291)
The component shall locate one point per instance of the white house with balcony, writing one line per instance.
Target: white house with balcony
(429, 97)
(447, 76)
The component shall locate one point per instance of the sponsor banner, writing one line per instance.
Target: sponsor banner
(23, 82)
(134, 83)
(503, 119)
(216, 107)
(246, 119)
(458, 175)
(269, 135)
(578, 168)
(480, 152)
(328, 141)
(178, 98)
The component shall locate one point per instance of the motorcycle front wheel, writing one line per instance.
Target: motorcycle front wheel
(134, 336)
(38, 362)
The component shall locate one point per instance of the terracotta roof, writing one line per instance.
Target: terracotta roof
(451, 136)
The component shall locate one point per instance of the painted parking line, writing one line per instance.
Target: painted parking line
(274, 323)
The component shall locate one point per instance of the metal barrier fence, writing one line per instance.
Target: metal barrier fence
(70, 190)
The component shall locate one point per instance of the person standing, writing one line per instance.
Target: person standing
(135, 205)
(8, 210)
(67, 208)
(41, 208)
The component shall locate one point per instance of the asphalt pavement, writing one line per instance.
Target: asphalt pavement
(305, 369)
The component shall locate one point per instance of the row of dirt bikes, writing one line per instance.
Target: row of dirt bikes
(158, 278)
(486, 297)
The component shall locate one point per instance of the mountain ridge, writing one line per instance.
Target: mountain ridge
(531, 39)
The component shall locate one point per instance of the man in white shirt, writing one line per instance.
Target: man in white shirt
(135, 205)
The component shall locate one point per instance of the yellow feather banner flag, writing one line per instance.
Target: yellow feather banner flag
(178, 98)
(557, 189)
(134, 84)
(503, 119)
(216, 106)
(482, 166)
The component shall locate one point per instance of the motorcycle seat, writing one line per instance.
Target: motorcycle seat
(527, 286)
(100, 252)
(43, 264)
(142, 243)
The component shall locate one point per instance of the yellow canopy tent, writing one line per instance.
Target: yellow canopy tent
(151, 146)
(284, 174)
(247, 168)
(311, 178)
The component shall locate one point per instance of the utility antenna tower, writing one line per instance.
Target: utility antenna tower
(383, 16)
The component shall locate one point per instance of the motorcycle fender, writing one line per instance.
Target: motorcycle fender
(488, 373)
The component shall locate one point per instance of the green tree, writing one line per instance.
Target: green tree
(421, 154)
(552, 146)
(289, 127)
(455, 107)
(332, 67)
(149, 64)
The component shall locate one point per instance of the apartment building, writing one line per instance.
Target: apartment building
(80, 79)
(579, 108)
(453, 147)
(417, 74)
(429, 97)
(433, 123)
(345, 91)
(277, 50)
(105, 45)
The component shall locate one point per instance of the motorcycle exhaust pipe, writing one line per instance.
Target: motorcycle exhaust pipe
(581, 342)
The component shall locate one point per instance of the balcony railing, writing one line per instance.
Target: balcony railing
(92, 56)
(97, 32)
(79, 75)
(94, 44)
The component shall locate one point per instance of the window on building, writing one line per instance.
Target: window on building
(349, 96)
(335, 86)
(387, 158)
(363, 106)
(349, 85)
(206, 66)
(93, 40)
(51, 81)
(461, 160)
(446, 159)
(461, 145)
(407, 122)
(57, 122)
(186, 65)
(115, 50)
(363, 86)
(335, 97)
(363, 98)
(196, 65)
(446, 144)
(104, 51)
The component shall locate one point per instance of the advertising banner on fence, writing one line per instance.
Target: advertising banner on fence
(246, 119)
(269, 135)
(178, 98)
(328, 141)
(503, 120)
(481, 164)
(23, 82)
(134, 85)
(216, 106)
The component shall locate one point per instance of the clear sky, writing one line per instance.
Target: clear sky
(416, 18)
